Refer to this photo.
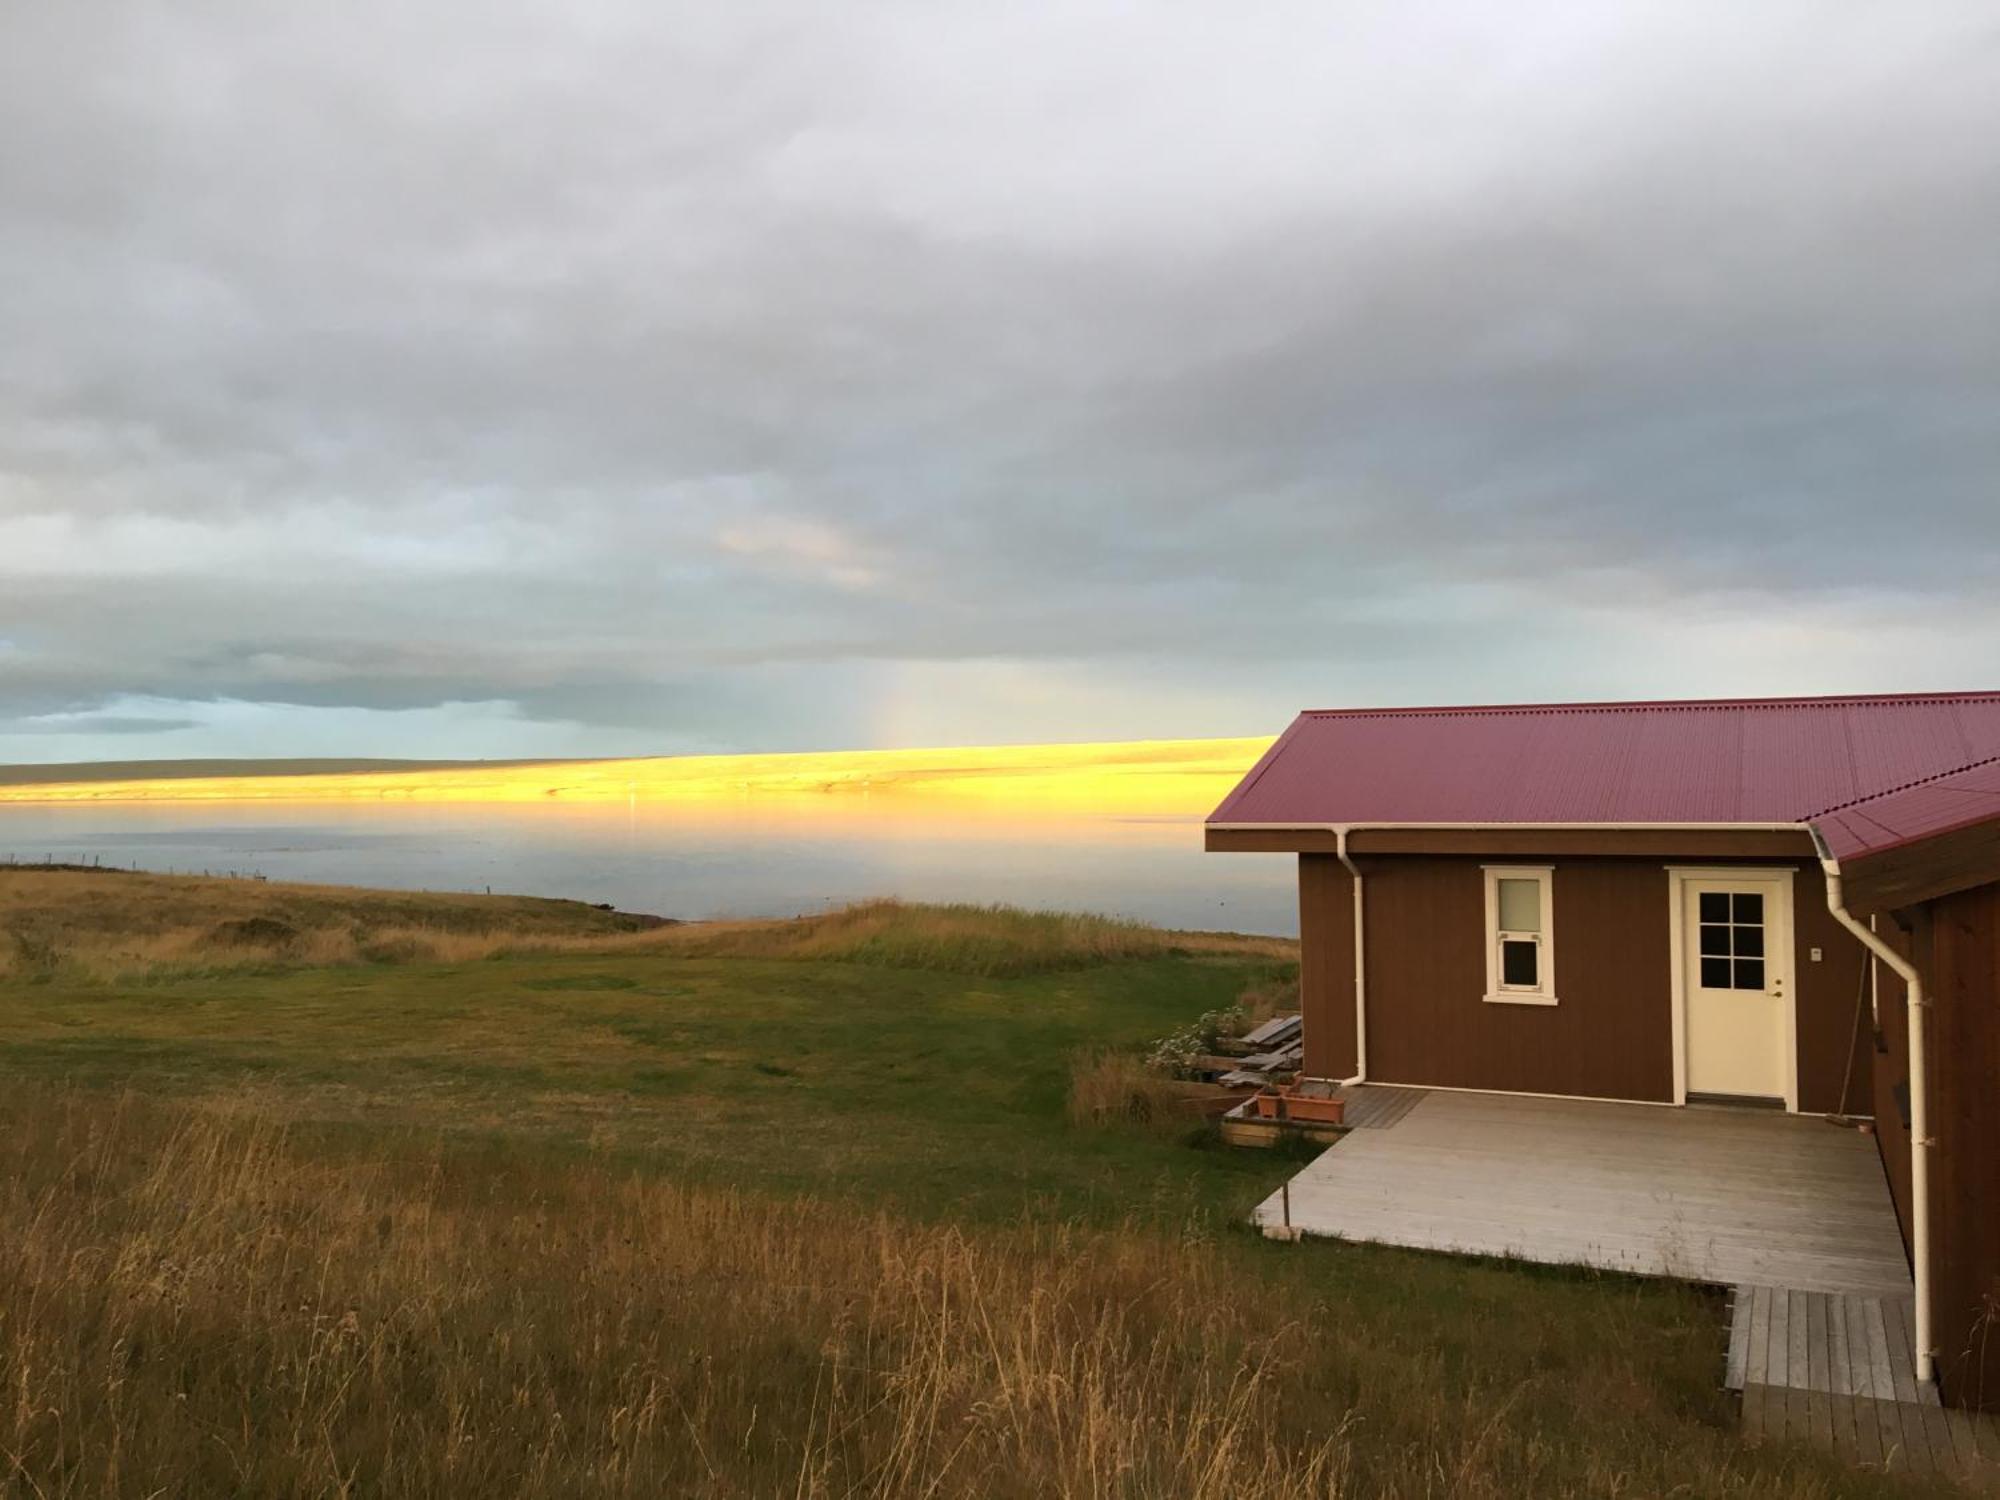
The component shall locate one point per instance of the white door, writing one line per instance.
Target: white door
(1736, 981)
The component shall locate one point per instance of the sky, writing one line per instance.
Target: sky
(481, 378)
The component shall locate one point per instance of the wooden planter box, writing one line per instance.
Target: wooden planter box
(1319, 1111)
(1285, 1104)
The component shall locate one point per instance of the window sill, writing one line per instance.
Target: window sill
(1519, 997)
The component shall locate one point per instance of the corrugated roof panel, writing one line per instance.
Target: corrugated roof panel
(1875, 825)
(1729, 761)
(1782, 750)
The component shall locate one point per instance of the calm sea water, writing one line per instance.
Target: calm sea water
(733, 860)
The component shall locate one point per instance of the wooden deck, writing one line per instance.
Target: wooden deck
(1733, 1197)
(1790, 1211)
(1836, 1371)
(1825, 1341)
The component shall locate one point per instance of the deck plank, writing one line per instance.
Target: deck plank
(1861, 1367)
(1818, 1377)
(1798, 1332)
(1757, 1370)
(1778, 1364)
(1867, 1432)
(1839, 1371)
(1889, 1424)
(1943, 1451)
(1736, 1359)
(1880, 1375)
(1902, 1368)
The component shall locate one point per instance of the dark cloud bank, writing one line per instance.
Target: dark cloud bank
(515, 379)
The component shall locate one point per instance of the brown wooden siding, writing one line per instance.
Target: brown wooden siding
(1965, 1119)
(1611, 1034)
(1832, 1005)
(1955, 943)
(1938, 866)
(1428, 1022)
(1326, 965)
(1890, 1064)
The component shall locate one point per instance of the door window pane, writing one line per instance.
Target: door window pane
(1732, 928)
(1520, 963)
(1520, 906)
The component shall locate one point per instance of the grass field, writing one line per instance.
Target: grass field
(397, 1197)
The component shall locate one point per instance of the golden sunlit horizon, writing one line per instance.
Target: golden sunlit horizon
(1162, 777)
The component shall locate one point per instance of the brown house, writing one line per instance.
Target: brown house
(1766, 904)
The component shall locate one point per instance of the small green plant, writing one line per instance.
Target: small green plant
(1175, 1053)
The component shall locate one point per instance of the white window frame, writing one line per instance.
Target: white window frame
(1544, 992)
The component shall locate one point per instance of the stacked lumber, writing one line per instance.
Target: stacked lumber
(1272, 1053)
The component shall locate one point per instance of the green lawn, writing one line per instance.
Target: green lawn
(936, 1093)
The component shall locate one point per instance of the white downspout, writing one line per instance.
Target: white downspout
(1360, 962)
(1921, 1144)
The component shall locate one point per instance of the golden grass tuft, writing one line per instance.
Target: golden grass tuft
(1109, 1087)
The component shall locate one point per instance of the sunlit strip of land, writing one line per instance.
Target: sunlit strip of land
(1144, 776)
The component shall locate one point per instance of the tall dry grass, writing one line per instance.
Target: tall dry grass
(203, 1303)
(109, 925)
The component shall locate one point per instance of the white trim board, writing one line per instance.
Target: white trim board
(1460, 1088)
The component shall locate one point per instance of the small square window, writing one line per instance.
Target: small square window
(1746, 906)
(1749, 942)
(1714, 940)
(1715, 906)
(1749, 973)
(1715, 974)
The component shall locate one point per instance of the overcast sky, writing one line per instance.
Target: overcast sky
(484, 378)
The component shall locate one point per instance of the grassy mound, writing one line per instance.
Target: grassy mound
(991, 941)
(113, 925)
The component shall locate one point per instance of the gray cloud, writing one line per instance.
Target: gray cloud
(769, 375)
(94, 724)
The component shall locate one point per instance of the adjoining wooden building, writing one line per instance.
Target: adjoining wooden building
(1790, 904)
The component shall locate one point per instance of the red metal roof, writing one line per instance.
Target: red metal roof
(1943, 804)
(1783, 760)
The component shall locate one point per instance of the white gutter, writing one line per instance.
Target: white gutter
(1360, 961)
(1921, 1142)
